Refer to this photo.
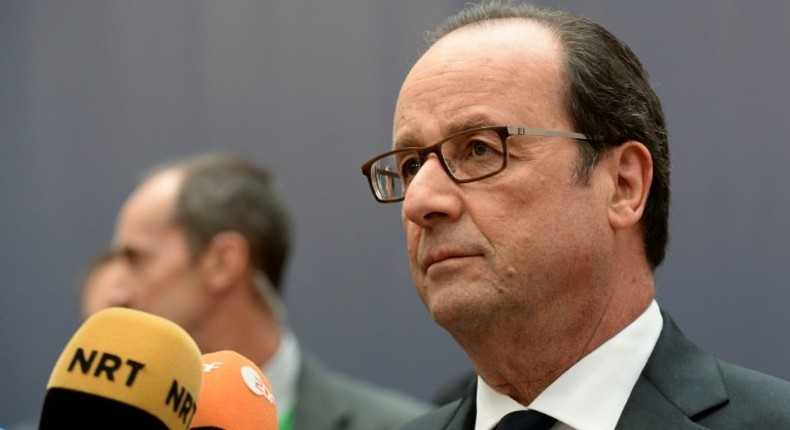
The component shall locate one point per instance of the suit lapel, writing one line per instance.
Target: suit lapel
(317, 408)
(648, 409)
(463, 418)
(679, 383)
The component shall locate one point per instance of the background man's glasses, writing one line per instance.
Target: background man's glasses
(467, 156)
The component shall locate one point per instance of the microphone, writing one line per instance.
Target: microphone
(235, 395)
(124, 369)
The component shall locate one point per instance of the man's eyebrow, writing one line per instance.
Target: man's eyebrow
(404, 142)
(408, 141)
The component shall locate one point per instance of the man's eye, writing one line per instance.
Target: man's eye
(479, 149)
(410, 167)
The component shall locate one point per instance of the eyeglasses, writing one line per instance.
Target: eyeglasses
(467, 156)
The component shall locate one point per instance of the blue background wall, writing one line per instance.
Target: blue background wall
(94, 92)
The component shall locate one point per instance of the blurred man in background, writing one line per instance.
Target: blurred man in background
(204, 242)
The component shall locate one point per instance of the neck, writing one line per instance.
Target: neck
(244, 324)
(521, 355)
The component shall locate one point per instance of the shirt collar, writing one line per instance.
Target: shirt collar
(282, 371)
(591, 394)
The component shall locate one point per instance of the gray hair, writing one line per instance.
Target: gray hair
(225, 193)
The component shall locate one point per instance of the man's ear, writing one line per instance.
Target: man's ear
(225, 260)
(632, 169)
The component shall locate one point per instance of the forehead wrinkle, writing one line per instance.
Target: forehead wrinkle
(464, 123)
(447, 101)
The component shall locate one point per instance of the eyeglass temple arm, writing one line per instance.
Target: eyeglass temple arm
(513, 130)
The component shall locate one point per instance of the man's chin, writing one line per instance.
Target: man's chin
(454, 309)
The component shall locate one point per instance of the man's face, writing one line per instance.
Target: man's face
(162, 277)
(528, 238)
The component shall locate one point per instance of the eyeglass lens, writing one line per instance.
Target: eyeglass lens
(465, 157)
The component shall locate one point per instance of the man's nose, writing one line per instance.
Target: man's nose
(432, 196)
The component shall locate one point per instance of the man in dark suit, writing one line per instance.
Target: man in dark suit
(531, 157)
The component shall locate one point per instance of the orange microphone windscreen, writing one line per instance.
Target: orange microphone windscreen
(235, 395)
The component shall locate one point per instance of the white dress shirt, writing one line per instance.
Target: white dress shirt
(592, 393)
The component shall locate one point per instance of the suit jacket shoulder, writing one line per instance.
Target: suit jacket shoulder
(329, 400)
(684, 387)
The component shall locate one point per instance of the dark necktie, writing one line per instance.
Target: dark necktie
(525, 420)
